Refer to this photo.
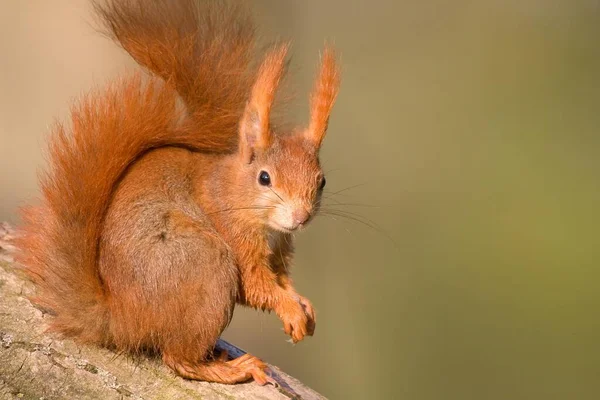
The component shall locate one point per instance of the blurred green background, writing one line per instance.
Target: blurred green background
(471, 126)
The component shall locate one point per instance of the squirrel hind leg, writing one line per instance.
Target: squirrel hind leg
(238, 370)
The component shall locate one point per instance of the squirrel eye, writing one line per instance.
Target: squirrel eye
(264, 178)
(323, 183)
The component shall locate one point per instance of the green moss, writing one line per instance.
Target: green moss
(91, 368)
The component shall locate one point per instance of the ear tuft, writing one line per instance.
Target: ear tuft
(254, 126)
(323, 96)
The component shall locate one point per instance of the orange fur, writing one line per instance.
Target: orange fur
(204, 49)
(254, 126)
(155, 220)
(323, 97)
(60, 237)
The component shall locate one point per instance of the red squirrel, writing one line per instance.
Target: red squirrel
(171, 198)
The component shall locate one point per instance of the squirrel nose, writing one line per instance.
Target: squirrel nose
(300, 216)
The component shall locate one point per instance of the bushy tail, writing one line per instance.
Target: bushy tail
(202, 52)
(59, 238)
(202, 48)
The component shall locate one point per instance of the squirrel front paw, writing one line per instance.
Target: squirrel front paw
(310, 313)
(298, 317)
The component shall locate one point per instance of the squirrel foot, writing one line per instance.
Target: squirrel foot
(238, 370)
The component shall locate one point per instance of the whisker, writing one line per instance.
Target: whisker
(241, 208)
(360, 219)
(276, 194)
(285, 237)
(352, 216)
(338, 203)
(263, 197)
(346, 212)
(320, 202)
(283, 260)
(356, 205)
(348, 188)
(335, 219)
(328, 171)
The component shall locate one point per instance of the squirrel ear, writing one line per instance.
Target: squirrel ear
(254, 126)
(323, 97)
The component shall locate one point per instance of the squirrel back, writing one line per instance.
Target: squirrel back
(204, 58)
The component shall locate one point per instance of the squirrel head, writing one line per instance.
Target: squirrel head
(283, 179)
